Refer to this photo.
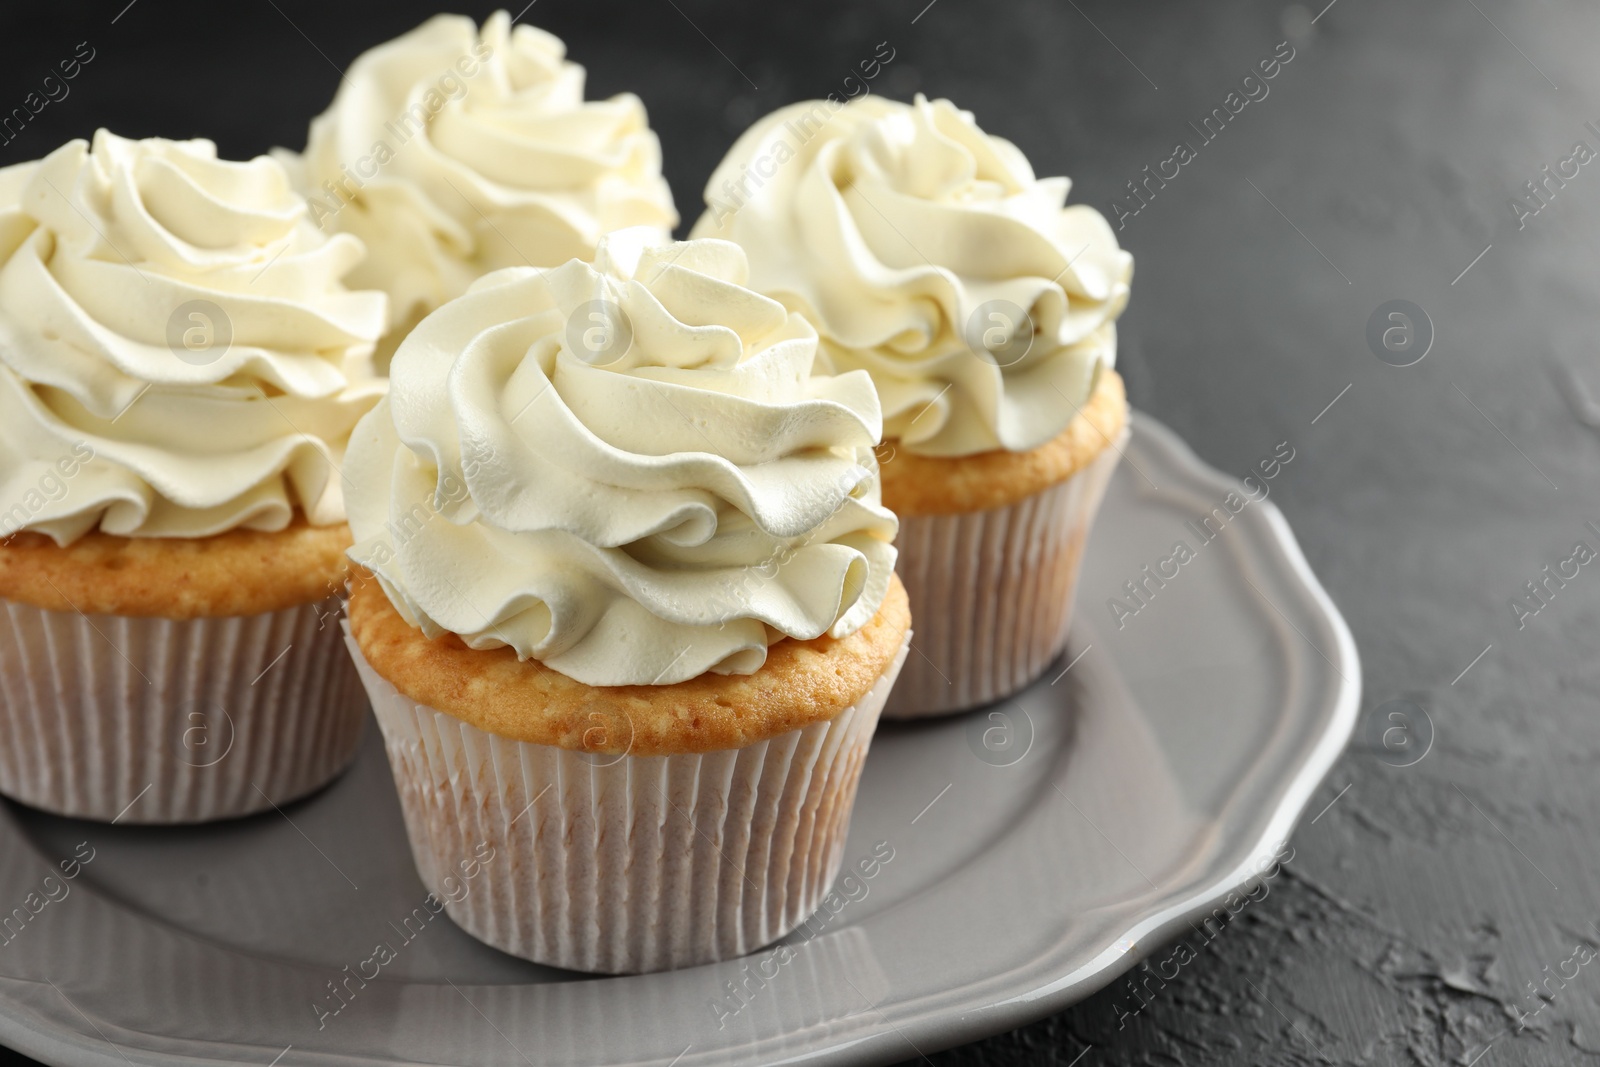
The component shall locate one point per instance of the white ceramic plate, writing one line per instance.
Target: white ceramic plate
(1035, 853)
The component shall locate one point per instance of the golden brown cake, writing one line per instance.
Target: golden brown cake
(801, 683)
(238, 572)
(916, 485)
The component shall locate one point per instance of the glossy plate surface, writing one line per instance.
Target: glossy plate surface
(1035, 851)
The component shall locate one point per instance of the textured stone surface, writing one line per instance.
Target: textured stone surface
(1420, 906)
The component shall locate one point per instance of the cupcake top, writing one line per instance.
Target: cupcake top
(626, 471)
(927, 253)
(454, 152)
(177, 354)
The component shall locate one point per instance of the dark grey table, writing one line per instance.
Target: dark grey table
(1442, 907)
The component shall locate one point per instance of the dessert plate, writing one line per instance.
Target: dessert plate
(1001, 864)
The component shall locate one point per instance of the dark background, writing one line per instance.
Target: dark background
(1422, 904)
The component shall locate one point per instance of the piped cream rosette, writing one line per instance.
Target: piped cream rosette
(927, 253)
(178, 318)
(453, 151)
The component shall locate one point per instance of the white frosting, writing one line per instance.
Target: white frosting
(453, 153)
(123, 271)
(891, 226)
(669, 508)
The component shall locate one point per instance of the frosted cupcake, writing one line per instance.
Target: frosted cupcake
(453, 152)
(180, 368)
(635, 611)
(927, 254)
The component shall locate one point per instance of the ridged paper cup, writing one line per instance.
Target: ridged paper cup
(992, 592)
(151, 720)
(625, 864)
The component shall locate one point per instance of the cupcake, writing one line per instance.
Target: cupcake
(180, 369)
(632, 611)
(453, 152)
(926, 253)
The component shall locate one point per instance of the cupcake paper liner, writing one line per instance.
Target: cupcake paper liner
(147, 720)
(991, 592)
(625, 864)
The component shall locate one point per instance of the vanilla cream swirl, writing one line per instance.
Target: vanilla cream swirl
(453, 153)
(639, 505)
(926, 253)
(175, 322)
